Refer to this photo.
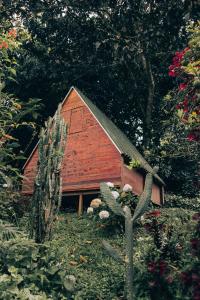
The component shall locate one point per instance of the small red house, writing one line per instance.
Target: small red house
(94, 153)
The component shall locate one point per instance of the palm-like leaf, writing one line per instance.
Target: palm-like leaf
(8, 231)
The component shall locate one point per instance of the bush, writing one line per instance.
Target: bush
(28, 269)
(104, 216)
(172, 200)
(172, 265)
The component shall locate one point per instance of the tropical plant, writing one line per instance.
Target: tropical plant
(185, 68)
(12, 112)
(140, 209)
(8, 231)
(32, 271)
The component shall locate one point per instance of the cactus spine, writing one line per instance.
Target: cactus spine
(47, 193)
(142, 206)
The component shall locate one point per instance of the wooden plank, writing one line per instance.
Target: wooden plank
(80, 205)
(163, 195)
(71, 193)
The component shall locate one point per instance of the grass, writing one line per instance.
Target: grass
(79, 242)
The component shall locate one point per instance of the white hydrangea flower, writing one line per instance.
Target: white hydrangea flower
(5, 185)
(115, 194)
(90, 210)
(104, 214)
(127, 188)
(110, 184)
(95, 203)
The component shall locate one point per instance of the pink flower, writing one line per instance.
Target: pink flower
(191, 137)
(182, 86)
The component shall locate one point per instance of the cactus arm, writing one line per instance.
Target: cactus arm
(112, 252)
(145, 197)
(110, 200)
(129, 253)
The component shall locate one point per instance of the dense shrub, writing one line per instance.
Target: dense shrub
(104, 216)
(182, 202)
(28, 270)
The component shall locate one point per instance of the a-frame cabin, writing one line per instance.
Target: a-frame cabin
(94, 153)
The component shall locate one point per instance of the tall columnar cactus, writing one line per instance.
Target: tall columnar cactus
(47, 194)
(125, 211)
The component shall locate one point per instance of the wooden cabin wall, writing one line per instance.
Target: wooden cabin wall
(134, 178)
(90, 157)
(156, 194)
(30, 172)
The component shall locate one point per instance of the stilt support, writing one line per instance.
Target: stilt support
(80, 205)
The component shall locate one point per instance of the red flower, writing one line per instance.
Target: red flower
(154, 213)
(178, 106)
(182, 86)
(4, 45)
(191, 137)
(172, 73)
(12, 33)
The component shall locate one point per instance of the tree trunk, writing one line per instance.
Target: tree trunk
(150, 99)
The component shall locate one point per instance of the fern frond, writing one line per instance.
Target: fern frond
(8, 231)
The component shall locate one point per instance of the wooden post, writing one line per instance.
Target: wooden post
(80, 205)
(163, 195)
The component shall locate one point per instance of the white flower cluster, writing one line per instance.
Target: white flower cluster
(90, 210)
(110, 184)
(104, 214)
(95, 203)
(127, 188)
(115, 194)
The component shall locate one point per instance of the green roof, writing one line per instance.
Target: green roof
(117, 136)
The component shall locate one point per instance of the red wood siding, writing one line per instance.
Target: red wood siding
(133, 178)
(136, 180)
(30, 173)
(156, 194)
(90, 157)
